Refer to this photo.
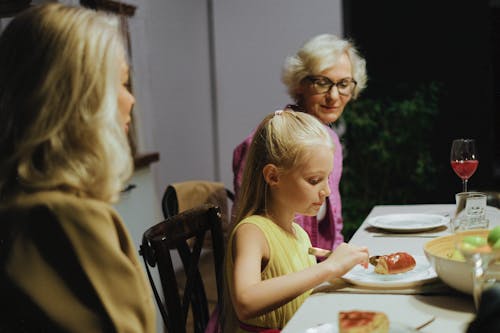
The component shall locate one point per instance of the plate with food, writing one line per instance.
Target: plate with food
(333, 328)
(408, 222)
(395, 270)
(361, 321)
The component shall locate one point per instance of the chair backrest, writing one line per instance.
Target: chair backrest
(171, 234)
(184, 195)
(197, 192)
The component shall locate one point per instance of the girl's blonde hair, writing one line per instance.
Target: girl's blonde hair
(318, 54)
(59, 82)
(283, 139)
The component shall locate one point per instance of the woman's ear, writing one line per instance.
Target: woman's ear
(271, 174)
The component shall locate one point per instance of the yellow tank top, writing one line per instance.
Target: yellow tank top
(287, 254)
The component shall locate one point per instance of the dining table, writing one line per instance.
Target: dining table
(424, 306)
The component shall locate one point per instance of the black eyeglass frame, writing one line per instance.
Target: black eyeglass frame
(313, 78)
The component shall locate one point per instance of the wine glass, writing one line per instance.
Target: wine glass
(464, 159)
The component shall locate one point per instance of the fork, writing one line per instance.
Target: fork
(430, 320)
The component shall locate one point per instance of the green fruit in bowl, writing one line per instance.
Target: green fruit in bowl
(474, 241)
(496, 246)
(456, 255)
(494, 235)
(467, 247)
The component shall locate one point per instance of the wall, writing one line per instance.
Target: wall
(172, 68)
(178, 119)
(252, 39)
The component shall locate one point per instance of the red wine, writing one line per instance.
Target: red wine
(464, 169)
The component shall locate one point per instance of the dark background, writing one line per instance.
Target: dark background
(454, 43)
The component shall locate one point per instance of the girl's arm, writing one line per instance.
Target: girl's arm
(253, 297)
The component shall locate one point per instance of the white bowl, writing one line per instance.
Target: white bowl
(456, 274)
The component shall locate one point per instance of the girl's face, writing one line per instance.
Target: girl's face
(328, 106)
(304, 188)
(125, 98)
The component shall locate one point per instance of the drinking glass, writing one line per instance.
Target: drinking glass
(464, 159)
(470, 211)
(485, 269)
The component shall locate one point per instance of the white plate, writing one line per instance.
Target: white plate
(334, 328)
(422, 273)
(408, 222)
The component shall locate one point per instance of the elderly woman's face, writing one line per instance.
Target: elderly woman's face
(125, 98)
(328, 106)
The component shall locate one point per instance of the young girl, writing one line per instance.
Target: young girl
(324, 75)
(269, 272)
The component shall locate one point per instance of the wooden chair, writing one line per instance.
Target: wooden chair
(181, 196)
(172, 234)
(176, 194)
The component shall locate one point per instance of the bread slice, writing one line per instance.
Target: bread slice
(395, 263)
(363, 322)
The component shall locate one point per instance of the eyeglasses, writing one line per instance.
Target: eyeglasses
(322, 84)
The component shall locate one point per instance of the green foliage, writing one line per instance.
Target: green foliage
(387, 153)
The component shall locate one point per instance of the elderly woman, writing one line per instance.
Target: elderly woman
(67, 261)
(322, 77)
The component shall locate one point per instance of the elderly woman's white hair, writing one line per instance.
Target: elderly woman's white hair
(318, 54)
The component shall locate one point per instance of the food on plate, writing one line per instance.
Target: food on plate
(394, 263)
(356, 321)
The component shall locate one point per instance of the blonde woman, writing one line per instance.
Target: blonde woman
(269, 272)
(67, 261)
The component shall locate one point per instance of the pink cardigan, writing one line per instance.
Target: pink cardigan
(327, 233)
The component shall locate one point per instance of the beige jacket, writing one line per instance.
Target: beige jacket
(68, 264)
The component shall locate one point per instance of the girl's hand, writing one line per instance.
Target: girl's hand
(346, 256)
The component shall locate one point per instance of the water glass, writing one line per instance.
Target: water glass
(485, 272)
(470, 211)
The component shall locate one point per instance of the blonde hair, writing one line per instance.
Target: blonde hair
(318, 54)
(59, 81)
(283, 139)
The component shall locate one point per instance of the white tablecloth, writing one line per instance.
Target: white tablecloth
(453, 311)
